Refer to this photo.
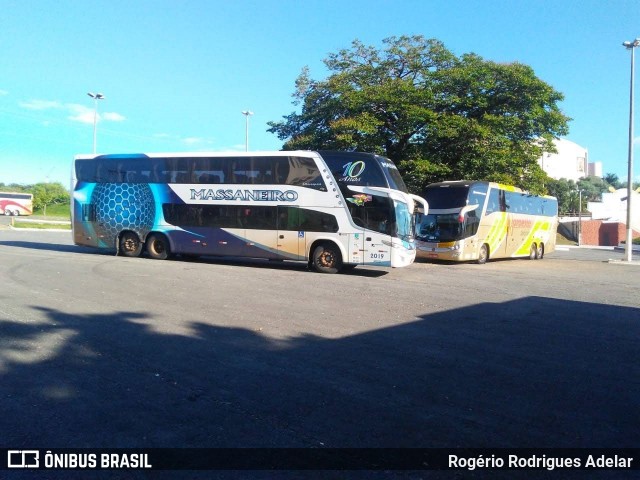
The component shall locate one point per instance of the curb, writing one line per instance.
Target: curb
(64, 230)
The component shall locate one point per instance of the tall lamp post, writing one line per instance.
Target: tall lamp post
(246, 113)
(629, 240)
(579, 217)
(96, 97)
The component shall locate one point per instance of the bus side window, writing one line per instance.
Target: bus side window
(493, 205)
(99, 178)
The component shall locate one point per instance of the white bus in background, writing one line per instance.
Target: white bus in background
(16, 203)
(284, 205)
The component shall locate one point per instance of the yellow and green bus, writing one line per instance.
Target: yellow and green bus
(476, 221)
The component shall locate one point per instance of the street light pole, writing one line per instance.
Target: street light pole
(246, 113)
(96, 97)
(629, 239)
(579, 218)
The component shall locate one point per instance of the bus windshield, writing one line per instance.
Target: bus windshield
(440, 228)
(404, 222)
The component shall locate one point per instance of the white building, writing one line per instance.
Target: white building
(613, 207)
(595, 169)
(570, 162)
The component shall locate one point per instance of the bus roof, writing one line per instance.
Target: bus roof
(274, 153)
(468, 183)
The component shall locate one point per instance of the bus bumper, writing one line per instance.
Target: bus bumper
(451, 251)
(403, 253)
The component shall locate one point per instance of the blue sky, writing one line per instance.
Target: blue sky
(176, 75)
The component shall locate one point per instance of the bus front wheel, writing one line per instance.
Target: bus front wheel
(327, 258)
(130, 245)
(483, 255)
(158, 247)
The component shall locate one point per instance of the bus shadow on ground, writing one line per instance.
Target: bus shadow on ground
(361, 271)
(236, 261)
(55, 247)
(533, 372)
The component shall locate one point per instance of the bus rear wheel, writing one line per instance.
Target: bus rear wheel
(540, 251)
(483, 254)
(130, 245)
(158, 246)
(533, 252)
(327, 258)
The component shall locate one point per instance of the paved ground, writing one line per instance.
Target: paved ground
(104, 351)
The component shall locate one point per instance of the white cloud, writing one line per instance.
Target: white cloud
(113, 117)
(3, 92)
(193, 140)
(41, 105)
(76, 112)
(79, 113)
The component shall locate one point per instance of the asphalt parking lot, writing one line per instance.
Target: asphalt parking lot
(104, 351)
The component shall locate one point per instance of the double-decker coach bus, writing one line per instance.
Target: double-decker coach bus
(14, 203)
(273, 205)
(475, 221)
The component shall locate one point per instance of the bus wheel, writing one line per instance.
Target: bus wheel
(327, 258)
(16, 213)
(533, 252)
(7, 212)
(483, 255)
(158, 247)
(541, 251)
(130, 245)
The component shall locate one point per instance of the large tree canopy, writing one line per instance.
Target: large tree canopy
(438, 116)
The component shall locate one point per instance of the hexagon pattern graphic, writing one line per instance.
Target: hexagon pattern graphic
(123, 206)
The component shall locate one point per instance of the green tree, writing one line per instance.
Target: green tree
(14, 187)
(45, 194)
(568, 193)
(564, 190)
(592, 188)
(613, 180)
(436, 115)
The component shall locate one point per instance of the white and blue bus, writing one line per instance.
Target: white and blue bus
(330, 209)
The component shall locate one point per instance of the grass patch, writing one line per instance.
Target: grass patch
(42, 226)
(54, 212)
(562, 240)
(636, 241)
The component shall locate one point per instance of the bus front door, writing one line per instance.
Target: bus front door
(291, 240)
